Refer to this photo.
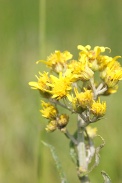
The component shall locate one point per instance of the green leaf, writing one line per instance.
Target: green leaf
(57, 162)
(106, 177)
(73, 155)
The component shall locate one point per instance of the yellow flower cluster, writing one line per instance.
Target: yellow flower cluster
(72, 84)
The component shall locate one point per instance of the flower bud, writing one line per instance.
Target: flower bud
(51, 126)
(63, 120)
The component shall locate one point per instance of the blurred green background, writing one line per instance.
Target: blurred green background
(23, 159)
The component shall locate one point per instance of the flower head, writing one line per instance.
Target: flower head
(91, 55)
(112, 74)
(98, 108)
(80, 70)
(63, 120)
(48, 111)
(81, 99)
(42, 82)
(103, 61)
(52, 126)
(60, 87)
(57, 61)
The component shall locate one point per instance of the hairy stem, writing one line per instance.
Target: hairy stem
(82, 156)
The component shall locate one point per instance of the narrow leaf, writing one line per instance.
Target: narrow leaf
(57, 162)
(106, 177)
(73, 155)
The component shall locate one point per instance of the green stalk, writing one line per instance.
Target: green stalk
(42, 28)
(81, 149)
(42, 53)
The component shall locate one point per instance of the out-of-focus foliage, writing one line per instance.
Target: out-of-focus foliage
(23, 159)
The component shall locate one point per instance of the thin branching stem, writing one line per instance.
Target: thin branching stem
(70, 137)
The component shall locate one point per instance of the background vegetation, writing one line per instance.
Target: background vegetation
(23, 159)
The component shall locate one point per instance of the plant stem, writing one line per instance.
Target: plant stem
(42, 28)
(82, 157)
(68, 135)
(81, 151)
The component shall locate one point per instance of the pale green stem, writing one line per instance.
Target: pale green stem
(100, 86)
(42, 28)
(97, 91)
(82, 157)
(102, 91)
(81, 151)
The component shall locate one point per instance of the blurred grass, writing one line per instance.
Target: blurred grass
(23, 159)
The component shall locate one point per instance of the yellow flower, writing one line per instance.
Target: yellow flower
(91, 55)
(41, 84)
(48, 111)
(98, 108)
(57, 61)
(84, 99)
(60, 87)
(103, 61)
(92, 132)
(63, 120)
(51, 126)
(112, 74)
(80, 70)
